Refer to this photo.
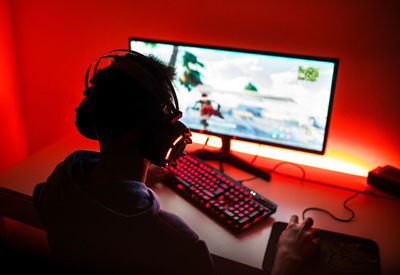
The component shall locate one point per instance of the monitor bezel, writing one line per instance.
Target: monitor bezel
(262, 52)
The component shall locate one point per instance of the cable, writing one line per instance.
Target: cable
(249, 179)
(333, 216)
(273, 170)
(206, 142)
(303, 178)
(366, 192)
(252, 162)
(221, 168)
(256, 155)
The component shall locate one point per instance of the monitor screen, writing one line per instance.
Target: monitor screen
(270, 98)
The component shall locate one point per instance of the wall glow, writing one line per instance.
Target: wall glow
(332, 160)
(213, 141)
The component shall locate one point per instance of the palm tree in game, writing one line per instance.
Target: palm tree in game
(191, 77)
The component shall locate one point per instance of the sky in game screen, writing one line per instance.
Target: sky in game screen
(274, 99)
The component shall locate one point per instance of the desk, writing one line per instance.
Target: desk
(376, 217)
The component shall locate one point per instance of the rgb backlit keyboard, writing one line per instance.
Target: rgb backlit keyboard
(232, 204)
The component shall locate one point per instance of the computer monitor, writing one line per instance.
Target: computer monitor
(269, 98)
(278, 99)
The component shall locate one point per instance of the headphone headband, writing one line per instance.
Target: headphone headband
(137, 66)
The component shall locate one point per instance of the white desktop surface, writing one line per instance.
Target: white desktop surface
(376, 218)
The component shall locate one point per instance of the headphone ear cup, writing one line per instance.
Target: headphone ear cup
(83, 120)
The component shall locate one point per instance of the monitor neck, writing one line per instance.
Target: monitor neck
(226, 144)
(224, 155)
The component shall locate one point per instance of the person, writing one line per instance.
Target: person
(207, 110)
(97, 207)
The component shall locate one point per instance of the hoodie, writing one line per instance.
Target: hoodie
(116, 227)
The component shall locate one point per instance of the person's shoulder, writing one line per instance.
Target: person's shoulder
(184, 244)
(172, 224)
(83, 155)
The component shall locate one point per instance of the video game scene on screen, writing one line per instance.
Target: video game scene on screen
(276, 99)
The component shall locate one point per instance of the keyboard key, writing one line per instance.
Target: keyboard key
(229, 213)
(218, 191)
(222, 207)
(253, 214)
(205, 197)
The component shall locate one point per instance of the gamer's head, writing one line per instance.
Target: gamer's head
(134, 96)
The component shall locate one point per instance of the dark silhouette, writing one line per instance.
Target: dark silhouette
(98, 210)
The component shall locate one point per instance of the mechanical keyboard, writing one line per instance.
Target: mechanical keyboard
(232, 204)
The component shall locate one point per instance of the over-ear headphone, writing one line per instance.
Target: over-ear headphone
(161, 143)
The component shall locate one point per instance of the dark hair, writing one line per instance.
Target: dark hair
(120, 102)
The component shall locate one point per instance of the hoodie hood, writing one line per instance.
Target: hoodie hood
(67, 193)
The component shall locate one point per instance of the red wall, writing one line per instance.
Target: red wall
(56, 40)
(13, 146)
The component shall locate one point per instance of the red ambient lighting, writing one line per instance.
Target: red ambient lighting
(168, 153)
(177, 140)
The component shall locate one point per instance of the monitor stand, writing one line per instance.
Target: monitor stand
(224, 155)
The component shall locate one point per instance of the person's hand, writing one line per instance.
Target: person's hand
(157, 174)
(296, 243)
